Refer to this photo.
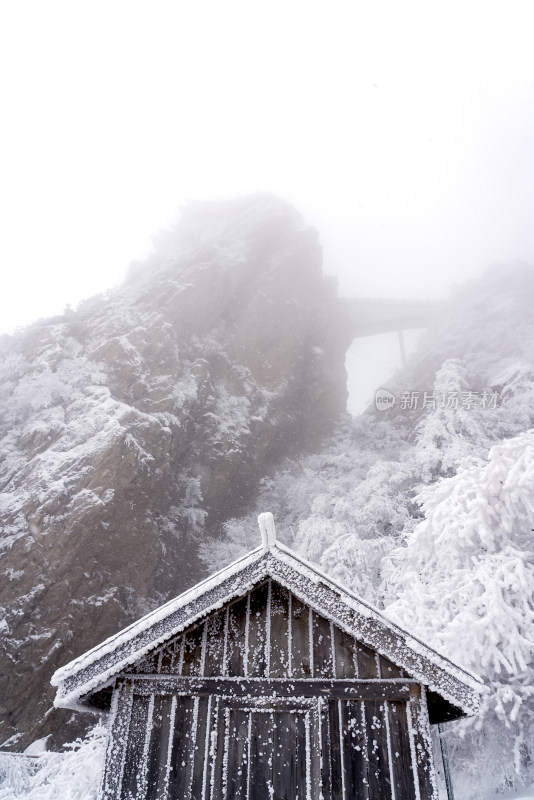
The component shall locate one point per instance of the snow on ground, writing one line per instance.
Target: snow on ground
(71, 775)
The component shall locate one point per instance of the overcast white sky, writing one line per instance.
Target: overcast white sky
(403, 131)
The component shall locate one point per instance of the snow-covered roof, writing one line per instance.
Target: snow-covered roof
(99, 667)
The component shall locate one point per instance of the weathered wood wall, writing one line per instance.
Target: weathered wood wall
(267, 633)
(268, 699)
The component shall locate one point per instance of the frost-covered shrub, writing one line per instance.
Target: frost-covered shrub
(72, 775)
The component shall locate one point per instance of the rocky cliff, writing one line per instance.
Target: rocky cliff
(134, 427)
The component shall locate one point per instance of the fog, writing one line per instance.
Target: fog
(402, 133)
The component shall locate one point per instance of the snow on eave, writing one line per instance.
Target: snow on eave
(99, 666)
(154, 616)
(358, 603)
(459, 687)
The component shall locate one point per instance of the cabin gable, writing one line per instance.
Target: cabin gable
(267, 633)
(87, 680)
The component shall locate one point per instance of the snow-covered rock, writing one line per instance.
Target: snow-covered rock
(132, 428)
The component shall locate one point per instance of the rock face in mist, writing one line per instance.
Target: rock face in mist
(134, 427)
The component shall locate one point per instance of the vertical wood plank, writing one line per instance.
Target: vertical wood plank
(422, 743)
(401, 756)
(199, 747)
(207, 764)
(310, 641)
(311, 777)
(261, 754)
(323, 746)
(279, 659)
(217, 752)
(333, 649)
(338, 723)
(156, 771)
(237, 616)
(268, 628)
(193, 743)
(134, 762)
(336, 757)
(121, 710)
(346, 654)
(389, 750)
(247, 636)
(323, 662)
(224, 781)
(289, 634)
(181, 655)
(284, 779)
(143, 767)
(225, 642)
(377, 751)
(214, 645)
(249, 761)
(204, 648)
(256, 665)
(182, 748)
(354, 743)
(169, 660)
(192, 651)
(300, 643)
(165, 659)
(237, 757)
(377, 662)
(168, 764)
(367, 667)
(390, 670)
(301, 758)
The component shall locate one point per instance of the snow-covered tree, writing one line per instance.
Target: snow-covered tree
(452, 428)
(464, 580)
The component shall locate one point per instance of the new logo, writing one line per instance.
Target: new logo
(384, 400)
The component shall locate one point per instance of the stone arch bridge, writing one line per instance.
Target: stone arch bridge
(370, 316)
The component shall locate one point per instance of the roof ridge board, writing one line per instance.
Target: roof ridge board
(171, 605)
(387, 621)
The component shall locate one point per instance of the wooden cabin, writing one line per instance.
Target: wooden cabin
(268, 681)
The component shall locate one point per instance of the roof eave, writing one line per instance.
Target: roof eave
(97, 668)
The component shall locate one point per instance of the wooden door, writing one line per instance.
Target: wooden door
(267, 750)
